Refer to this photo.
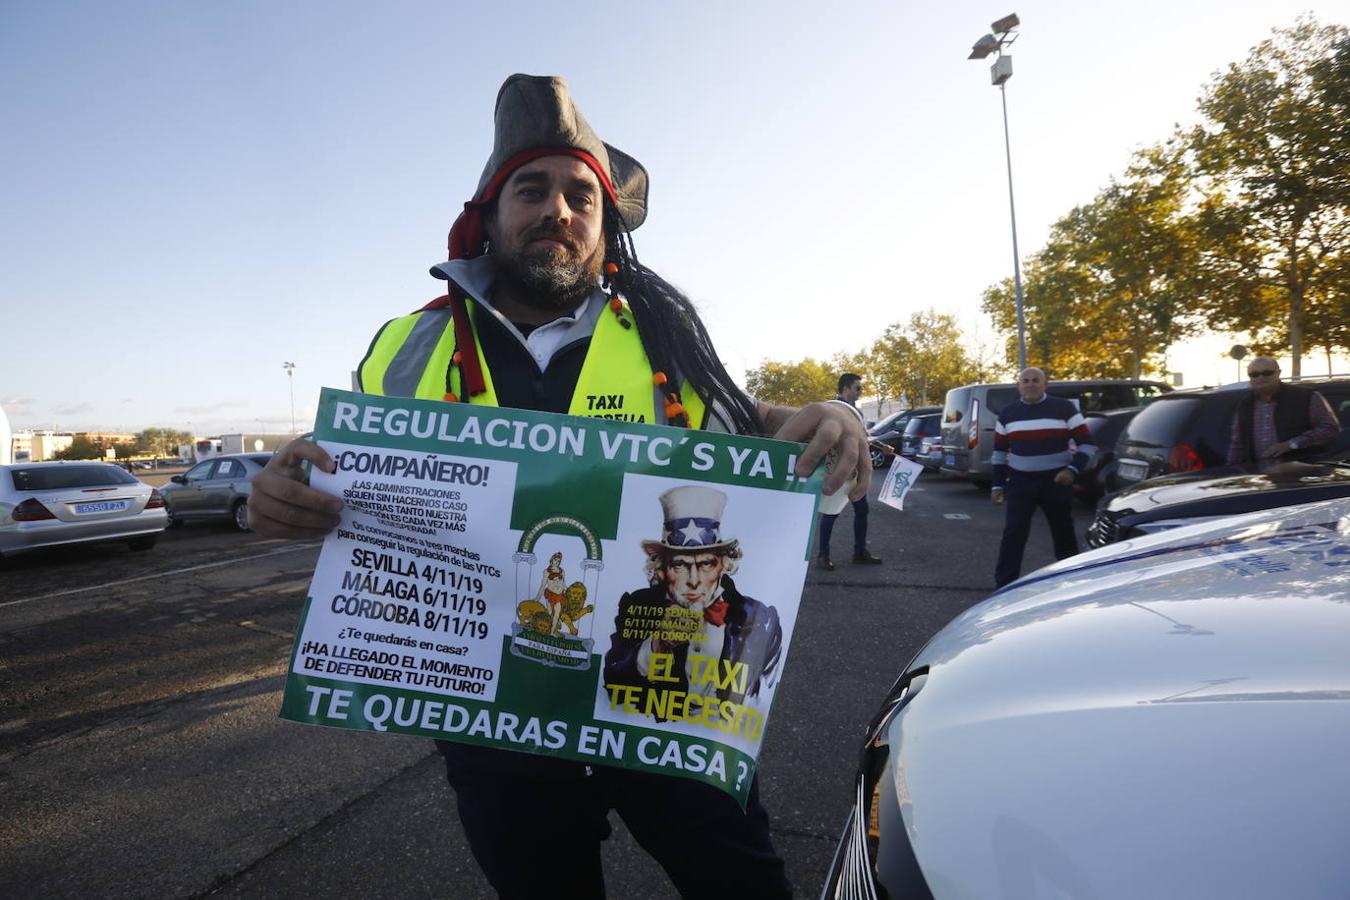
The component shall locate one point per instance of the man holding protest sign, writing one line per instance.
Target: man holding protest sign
(549, 309)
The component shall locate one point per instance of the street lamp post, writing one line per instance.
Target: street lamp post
(1004, 33)
(290, 377)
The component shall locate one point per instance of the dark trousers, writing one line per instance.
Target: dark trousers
(535, 825)
(859, 528)
(1023, 492)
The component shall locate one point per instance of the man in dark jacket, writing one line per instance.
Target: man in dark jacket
(1278, 419)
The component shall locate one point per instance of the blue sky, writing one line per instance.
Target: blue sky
(196, 192)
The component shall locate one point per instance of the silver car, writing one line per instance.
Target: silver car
(216, 488)
(1167, 717)
(50, 504)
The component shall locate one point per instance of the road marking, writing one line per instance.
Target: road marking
(110, 584)
(955, 516)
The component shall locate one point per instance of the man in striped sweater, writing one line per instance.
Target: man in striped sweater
(1040, 444)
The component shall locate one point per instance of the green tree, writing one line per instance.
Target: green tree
(80, 448)
(1106, 296)
(922, 358)
(1270, 162)
(161, 441)
(792, 383)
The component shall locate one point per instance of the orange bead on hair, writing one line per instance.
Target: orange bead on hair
(457, 358)
(611, 268)
(658, 378)
(616, 304)
(673, 410)
(450, 398)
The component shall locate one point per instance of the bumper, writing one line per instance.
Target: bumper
(20, 537)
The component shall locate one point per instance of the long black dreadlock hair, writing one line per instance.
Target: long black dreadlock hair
(671, 331)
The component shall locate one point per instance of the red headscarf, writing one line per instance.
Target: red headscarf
(468, 235)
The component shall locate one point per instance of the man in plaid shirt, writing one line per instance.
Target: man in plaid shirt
(1277, 419)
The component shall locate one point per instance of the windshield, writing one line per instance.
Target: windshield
(887, 423)
(1162, 422)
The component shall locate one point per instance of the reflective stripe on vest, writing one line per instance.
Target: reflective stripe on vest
(409, 357)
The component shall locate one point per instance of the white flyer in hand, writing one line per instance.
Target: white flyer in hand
(900, 477)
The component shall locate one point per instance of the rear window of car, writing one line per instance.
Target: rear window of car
(52, 478)
(997, 398)
(1161, 422)
(262, 459)
(958, 399)
(1145, 394)
(926, 424)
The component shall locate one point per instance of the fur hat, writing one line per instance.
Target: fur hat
(536, 117)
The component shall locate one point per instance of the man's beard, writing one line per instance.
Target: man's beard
(548, 278)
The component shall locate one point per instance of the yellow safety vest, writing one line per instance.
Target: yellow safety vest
(410, 354)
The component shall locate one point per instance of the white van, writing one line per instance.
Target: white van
(969, 415)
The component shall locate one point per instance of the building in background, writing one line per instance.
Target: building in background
(46, 444)
(21, 445)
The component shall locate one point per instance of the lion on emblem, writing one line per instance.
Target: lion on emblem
(535, 616)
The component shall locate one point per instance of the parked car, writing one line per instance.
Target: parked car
(1190, 430)
(50, 504)
(890, 430)
(1172, 501)
(970, 413)
(921, 435)
(215, 488)
(1106, 427)
(1165, 718)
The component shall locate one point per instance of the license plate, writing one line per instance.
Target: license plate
(949, 460)
(101, 506)
(1131, 469)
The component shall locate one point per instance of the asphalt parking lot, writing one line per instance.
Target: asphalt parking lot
(141, 754)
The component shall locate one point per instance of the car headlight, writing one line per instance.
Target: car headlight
(854, 873)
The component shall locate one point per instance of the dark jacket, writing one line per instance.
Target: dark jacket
(753, 637)
(1291, 418)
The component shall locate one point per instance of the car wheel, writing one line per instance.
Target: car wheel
(143, 543)
(240, 514)
(878, 458)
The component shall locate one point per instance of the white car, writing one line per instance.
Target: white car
(49, 504)
(1167, 717)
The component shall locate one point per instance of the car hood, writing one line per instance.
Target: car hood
(1166, 717)
(1172, 490)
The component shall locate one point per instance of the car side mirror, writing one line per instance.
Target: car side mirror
(178, 479)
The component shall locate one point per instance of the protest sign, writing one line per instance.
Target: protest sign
(900, 477)
(595, 590)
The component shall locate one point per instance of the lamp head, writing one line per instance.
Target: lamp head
(983, 47)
